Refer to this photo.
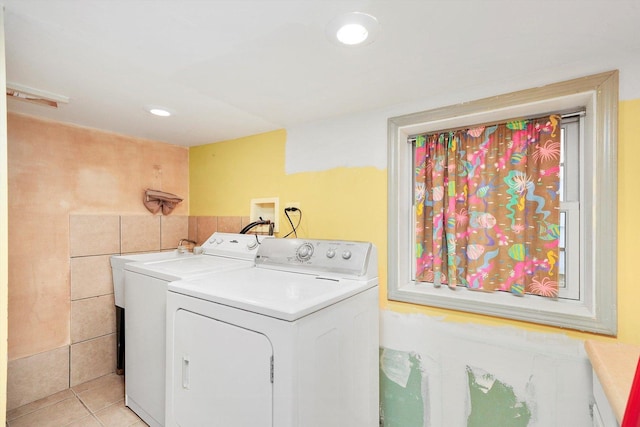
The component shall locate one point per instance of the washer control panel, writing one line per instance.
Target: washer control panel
(233, 245)
(316, 256)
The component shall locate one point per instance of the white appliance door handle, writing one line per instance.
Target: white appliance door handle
(185, 372)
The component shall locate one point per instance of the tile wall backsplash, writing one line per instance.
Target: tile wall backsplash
(91, 352)
(173, 229)
(139, 233)
(90, 276)
(92, 359)
(94, 235)
(201, 227)
(205, 227)
(92, 317)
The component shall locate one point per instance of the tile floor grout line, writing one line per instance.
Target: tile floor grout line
(88, 416)
(76, 395)
(41, 408)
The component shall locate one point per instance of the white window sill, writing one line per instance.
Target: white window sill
(529, 308)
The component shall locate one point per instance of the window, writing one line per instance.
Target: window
(588, 205)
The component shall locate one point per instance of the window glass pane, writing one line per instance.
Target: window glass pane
(562, 154)
(562, 252)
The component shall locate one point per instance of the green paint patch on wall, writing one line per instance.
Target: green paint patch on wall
(494, 403)
(401, 401)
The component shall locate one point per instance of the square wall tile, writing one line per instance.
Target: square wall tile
(38, 376)
(92, 318)
(172, 229)
(140, 233)
(92, 359)
(207, 225)
(229, 224)
(94, 235)
(91, 276)
(193, 228)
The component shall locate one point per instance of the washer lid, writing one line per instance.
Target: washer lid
(283, 295)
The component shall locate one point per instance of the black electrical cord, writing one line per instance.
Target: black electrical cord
(261, 221)
(293, 228)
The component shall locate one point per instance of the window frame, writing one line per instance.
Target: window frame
(570, 203)
(596, 311)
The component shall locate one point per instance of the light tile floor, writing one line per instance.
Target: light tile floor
(97, 403)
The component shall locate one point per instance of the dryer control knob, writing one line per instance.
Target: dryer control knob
(346, 254)
(252, 244)
(331, 253)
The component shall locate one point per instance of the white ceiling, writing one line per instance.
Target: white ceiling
(235, 68)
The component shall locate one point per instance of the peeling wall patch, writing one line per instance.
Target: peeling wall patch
(401, 405)
(494, 403)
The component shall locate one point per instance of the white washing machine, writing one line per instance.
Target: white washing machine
(292, 342)
(145, 295)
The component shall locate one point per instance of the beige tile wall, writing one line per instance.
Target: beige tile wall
(93, 319)
(56, 170)
(94, 235)
(173, 229)
(92, 240)
(140, 233)
(201, 227)
(92, 359)
(34, 377)
(90, 276)
(92, 350)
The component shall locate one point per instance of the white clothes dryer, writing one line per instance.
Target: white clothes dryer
(292, 342)
(145, 299)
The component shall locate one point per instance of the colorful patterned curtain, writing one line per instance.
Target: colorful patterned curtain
(487, 207)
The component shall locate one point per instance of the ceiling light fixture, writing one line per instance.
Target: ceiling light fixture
(35, 96)
(158, 111)
(352, 34)
(353, 29)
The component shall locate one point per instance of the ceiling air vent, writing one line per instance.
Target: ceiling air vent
(36, 96)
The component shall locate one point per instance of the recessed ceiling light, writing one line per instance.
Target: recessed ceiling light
(353, 29)
(352, 34)
(158, 111)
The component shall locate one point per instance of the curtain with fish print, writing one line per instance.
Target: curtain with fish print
(487, 207)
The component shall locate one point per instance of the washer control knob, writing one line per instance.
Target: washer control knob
(304, 252)
(331, 253)
(252, 244)
(220, 240)
(346, 254)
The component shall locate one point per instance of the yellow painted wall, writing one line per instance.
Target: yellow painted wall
(628, 228)
(351, 203)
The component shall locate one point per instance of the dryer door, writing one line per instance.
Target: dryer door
(222, 374)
